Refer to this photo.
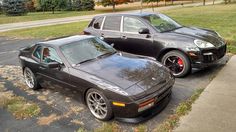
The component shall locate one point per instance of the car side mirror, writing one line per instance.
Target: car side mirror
(53, 65)
(144, 31)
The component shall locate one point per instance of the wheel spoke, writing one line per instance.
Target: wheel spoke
(97, 105)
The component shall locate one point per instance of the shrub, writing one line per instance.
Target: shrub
(87, 5)
(84, 5)
(14, 7)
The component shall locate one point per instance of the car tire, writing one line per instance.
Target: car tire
(30, 79)
(177, 62)
(103, 102)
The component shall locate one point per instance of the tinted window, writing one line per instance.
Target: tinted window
(37, 52)
(91, 23)
(50, 55)
(98, 23)
(132, 25)
(112, 23)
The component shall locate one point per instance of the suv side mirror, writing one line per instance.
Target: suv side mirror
(143, 31)
(53, 65)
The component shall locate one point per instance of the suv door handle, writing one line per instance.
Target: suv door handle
(123, 37)
(102, 35)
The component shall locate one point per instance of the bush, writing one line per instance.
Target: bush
(87, 5)
(14, 7)
(84, 5)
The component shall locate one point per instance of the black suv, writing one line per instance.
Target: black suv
(178, 47)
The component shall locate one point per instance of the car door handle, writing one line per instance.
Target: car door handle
(42, 68)
(102, 35)
(123, 37)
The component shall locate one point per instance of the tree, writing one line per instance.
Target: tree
(14, 7)
(87, 5)
(151, 1)
(51, 5)
(30, 5)
(112, 3)
(84, 5)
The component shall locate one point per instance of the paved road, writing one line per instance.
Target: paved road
(21, 25)
(182, 89)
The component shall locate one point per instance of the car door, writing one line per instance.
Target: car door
(110, 30)
(35, 59)
(52, 76)
(134, 42)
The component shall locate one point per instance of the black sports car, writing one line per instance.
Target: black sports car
(111, 83)
(178, 47)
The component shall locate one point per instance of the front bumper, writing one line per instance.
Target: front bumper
(130, 113)
(208, 57)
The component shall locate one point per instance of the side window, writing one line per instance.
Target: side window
(37, 52)
(132, 25)
(112, 23)
(98, 23)
(50, 55)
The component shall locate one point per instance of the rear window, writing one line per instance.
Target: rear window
(91, 23)
(112, 23)
(98, 23)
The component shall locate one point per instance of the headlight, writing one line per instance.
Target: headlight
(203, 44)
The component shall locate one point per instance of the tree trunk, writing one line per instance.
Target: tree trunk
(141, 6)
(204, 2)
(113, 7)
(152, 7)
(172, 2)
(53, 10)
(165, 2)
(157, 3)
(192, 1)
(213, 2)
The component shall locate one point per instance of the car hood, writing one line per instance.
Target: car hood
(198, 33)
(125, 71)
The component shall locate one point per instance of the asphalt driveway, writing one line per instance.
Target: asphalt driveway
(61, 101)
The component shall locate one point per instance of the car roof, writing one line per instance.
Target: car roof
(138, 14)
(57, 42)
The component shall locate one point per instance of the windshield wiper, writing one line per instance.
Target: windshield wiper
(86, 61)
(108, 53)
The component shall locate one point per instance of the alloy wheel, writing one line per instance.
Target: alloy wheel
(97, 105)
(29, 78)
(175, 64)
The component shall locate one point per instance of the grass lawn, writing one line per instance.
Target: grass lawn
(47, 32)
(221, 18)
(32, 16)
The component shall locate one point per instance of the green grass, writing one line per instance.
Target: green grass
(33, 16)
(108, 127)
(181, 110)
(40, 16)
(221, 18)
(17, 105)
(47, 32)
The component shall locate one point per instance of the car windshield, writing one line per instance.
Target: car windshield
(86, 50)
(162, 22)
